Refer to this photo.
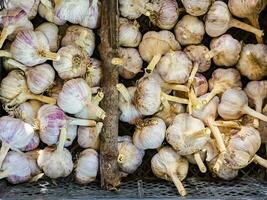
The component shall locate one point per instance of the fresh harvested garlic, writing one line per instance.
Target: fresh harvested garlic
(80, 36)
(86, 167)
(196, 8)
(94, 72)
(132, 9)
(189, 30)
(129, 34)
(169, 165)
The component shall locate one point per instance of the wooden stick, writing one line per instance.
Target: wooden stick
(109, 169)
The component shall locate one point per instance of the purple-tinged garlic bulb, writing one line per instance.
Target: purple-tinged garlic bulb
(196, 53)
(94, 72)
(198, 159)
(72, 62)
(221, 80)
(129, 34)
(88, 137)
(14, 134)
(169, 165)
(149, 133)
(154, 45)
(33, 144)
(46, 10)
(13, 21)
(225, 51)
(253, 61)
(75, 96)
(129, 62)
(80, 36)
(56, 162)
(51, 119)
(29, 6)
(174, 67)
(234, 104)
(14, 90)
(130, 157)
(51, 32)
(87, 167)
(189, 30)
(219, 20)
(128, 111)
(200, 85)
(132, 9)
(196, 8)
(248, 9)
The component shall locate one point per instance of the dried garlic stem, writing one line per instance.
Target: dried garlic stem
(4, 53)
(210, 96)
(3, 151)
(166, 105)
(98, 97)
(229, 124)
(49, 55)
(254, 113)
(258, 106)
(100, 113)
(5, 32)
(117, 61)
(62, 139)
(44, 99)
(198, 134)
(151, 66)
(124, 92)
(217, 135)
(178, 184)
(174, 99)
(259, 160)
(200, 163)
(17, 64)
(211, 54)
(193, 74)
(176, 87)
(254, 20)
(81, 122)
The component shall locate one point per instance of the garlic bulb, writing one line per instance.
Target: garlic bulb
(14, 134)
(189, 30)
(30, 48)
(149, 133)
(72, 62)
(129, 62)
(51, 119)
(154, 45)
(88, 137)
(46, 10)
(33, 144)
(13, 21)
(77, 92)
(221, 80)
(234, 104)
(132, 9)
(56, 163)
(29, 6)
(196, 53)
(174, 67)
(219, 20)
(130, 157)
(71, 134)
(86, 167)
(187, 135)
(51, 32)
(248, 9)
(169, 165)
(225, 50)
(253, 62)
(196, 8)
(80, 36)
(128, 111)
(200, 85)
(129, 34)
(94, 72)
(14, 90)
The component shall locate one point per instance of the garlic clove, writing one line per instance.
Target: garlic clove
(94, 72)
(196, 8)
(129, 34)
(132, 9)
(149, 133)
(87, 167)
(189, 30)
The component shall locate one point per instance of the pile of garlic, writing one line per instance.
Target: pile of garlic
(51, 92)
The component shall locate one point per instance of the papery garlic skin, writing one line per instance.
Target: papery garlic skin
(87, 166)
(149, 133)
(33, 144)
(132, 9)
(189, 30)
(253, 61)
(180, 134)
(227, 50)
(72, 62)
(51, 32)
(80, 36)
(200, 85)
(129, 34)
(94, 72)
(174, 67)
(130, 157)
(196, 53)
(196, 8)
(93, 15)
(71, 135)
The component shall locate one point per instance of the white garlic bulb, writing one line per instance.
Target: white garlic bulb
(72, 62)
(88, 137)
(196, 8)
(253, 61)
(132, 9)
(51, 32)
(225, 50)
(72, 131)
(93, 15)
(189, 30)
(86, 167)
(129, 34)
(169, 165)
(130, 157)
(94, 72)
(80, 36)
(57, 162)
(149, 133)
